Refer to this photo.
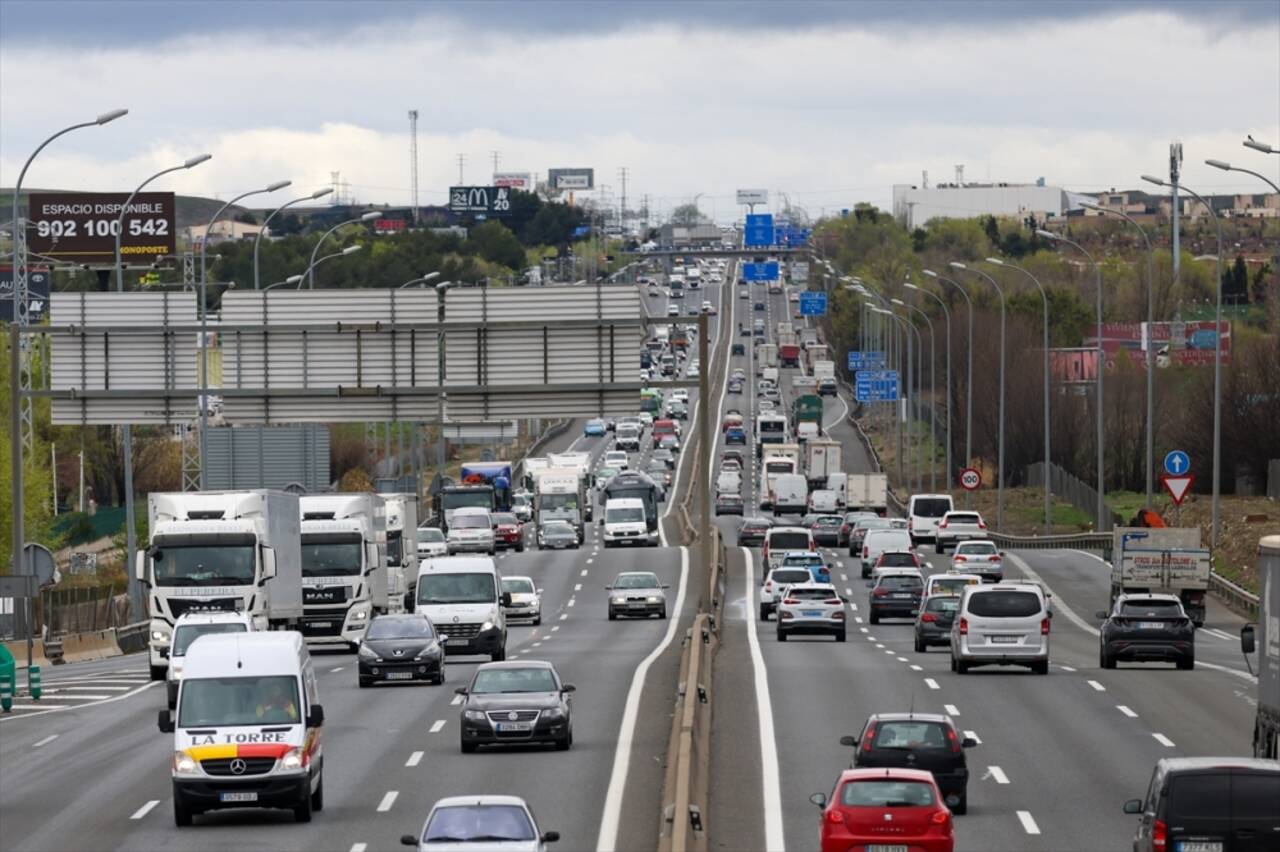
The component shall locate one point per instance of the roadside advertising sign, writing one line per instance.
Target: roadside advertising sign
(80, 227)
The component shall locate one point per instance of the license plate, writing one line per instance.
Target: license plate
(457, 643)
(1198, 846)
(811, 613)
(237, 797)
(635, 606)
(1150, 625)
(883, 848)
(322, 624)
(1003, 640)
(510, 727)
(399, 675)
(902, 595)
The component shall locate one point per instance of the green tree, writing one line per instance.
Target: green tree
(494, 242)
(686, 214)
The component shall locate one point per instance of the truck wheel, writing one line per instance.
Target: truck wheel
(302, 810)
(159, 673)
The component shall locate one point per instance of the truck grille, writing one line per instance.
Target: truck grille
(323, 625)
(221, 766)
(325, 594)
(180, 606)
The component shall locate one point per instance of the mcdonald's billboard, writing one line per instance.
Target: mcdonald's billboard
(480, 200)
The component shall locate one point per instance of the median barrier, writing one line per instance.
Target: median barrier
(76, 648)
(18, 648)
(105, 643)
(132, 638)
(687, 781)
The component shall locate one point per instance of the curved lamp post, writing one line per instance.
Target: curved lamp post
(1000, 441)
(367, 217)
(968, 388)
(257, 241)
(946, 313)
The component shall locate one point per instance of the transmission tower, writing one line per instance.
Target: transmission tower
(190, 431)
(497, 158)
(413, 162)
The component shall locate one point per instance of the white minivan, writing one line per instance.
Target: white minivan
(624, 522)
(790, 494)
(1006, 624)
(190, 627)
(463, 597)
(246, 731)
(924, 511)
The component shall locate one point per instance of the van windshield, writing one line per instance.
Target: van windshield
(627, 515)
(231, 701)
(188, 633)
(931, 507)
(456, 588)
(789, 541)
(328, 555)
(470, 522)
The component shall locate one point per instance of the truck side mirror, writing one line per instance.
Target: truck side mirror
(1247, 641)
(164, 721)
(140, 566)
(268, 563)
(371, 558)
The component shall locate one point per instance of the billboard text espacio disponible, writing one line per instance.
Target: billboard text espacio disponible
(80, 227)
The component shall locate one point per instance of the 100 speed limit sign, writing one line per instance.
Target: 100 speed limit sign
(970, 479)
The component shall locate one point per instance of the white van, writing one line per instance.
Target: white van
(191, 626)
(246, 732)
(624, 522)
(1006, 625)
(778, 541)
(876, 542)
(790, 494)
(839, 483)
(463, 596)
(924, 511)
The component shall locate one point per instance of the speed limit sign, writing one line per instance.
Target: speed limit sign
(970, 479)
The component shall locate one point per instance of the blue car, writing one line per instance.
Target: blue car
(808, 559)
(735, 435)
(594, 427)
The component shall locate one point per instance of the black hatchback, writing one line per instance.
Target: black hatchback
(927, 741)
(403, 646)
(1147, 627)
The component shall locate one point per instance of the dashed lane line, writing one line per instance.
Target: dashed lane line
(952, 709)
(416, 757)
(997, 773)
(931, 683)
(145, 809)
(387, 801)
(437, 725)
(1126, 711)
(1028, 822)
(1163, 740)
(1097, 685)
(973, 735)
(359, 847)
(44, 741)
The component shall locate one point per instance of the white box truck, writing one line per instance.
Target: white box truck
(402, 549)
(766, 356)
(234, 551)
(1168, 560)
(1264, 637)
(867, 492)
(581, 462)
(344, 566)
(824, 370)
(822, 457)
(560, 495)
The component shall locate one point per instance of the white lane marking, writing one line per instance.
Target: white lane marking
(863, 629)
(387, 801)
(145, 809)
(1227, 670)
(858, 619)
(902, 659)
(1066, 668)
(844, 577)
(359, 847)
(416, 757)
(840, 564)
(44, 741)
(590, 560)
(848, 592)
(457, 699)
(537, 644)
(973, 736)
(95, 686)
(1163, 740)
(338, 669)
(1058, 604)
(69, 696)
(570, 603)
(998, 774)
(952, 709)
(607, 839)
(931, 683)
(577, 587)
(853, 606)
(1126, 711)
(583, 573)
(553, 630)
(563, 616)
(437, 725)
(1028, 822)
(1097, 686)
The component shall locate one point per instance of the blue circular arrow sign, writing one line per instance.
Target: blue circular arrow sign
(1177, 463)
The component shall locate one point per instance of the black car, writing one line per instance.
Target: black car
(752, 531)
(896, 595)
(738, 348)
(743, 331)
(933, 622)
(828, 387)
(1142, 627)
(400, 647)
(759, 306)
(729, 504)
(927, 741)
(1227, 804)
(516, 703)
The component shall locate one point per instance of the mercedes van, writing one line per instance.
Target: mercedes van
(189, 627)
(463, 597)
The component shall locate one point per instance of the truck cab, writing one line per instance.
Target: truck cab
(402, 549)
(344, 566)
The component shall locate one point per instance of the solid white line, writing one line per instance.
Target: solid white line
(997, 773)
(457, 699)
(1097, 686)
(607, 839)
(1058, 603)
(416, 757)
(1126, 711)
(387, 801)
(973, 736)
(1028, 822)
(931, 683)
(70, 696)
(96, 686)
(952, 709)
(44, 741)
(1163, 740)
(563, 616)
(145, 809)
(437, 725)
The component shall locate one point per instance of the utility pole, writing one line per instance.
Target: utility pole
(413, 162)
(1175, 170)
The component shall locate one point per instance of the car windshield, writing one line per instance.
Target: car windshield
(911, 735)
(400, 627)
(901, 582)
(226, 702)
(1001, 604)
(789, 541)
(806, 559)
(945, 603)
(188, 633)
(828, 521)
(897, 560)
(886, 794)
(470, 522)
(532, 679)
(1153, 608)
(430, 534)
(790, 575)
(328, 555)
(517, 585)
(505, 518)
(478, 823)
(557, 528)
(636, 581)
(475, 587)
(931, 507)
(980, 548)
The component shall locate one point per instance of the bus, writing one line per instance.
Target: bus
(650, 400)
(631, 483)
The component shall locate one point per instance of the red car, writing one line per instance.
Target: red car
(508, 532)
(889, 808)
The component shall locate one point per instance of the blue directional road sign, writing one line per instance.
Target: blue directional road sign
(758, 230)
(767, 271)
(876, 386)
(865, 360)
(1177, 463)
(813, 303)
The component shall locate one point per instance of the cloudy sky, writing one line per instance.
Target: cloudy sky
(829, 102)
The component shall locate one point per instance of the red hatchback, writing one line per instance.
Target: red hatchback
(508, 532)
(885, 809)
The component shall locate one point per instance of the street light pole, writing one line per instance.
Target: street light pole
(933, 395)
(946, 313)
(310, 271)
(257, 241)
(1000, 441)
(968, 387)
(1044, 298)
(367, 217)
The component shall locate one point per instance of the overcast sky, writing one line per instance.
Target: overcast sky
(832, 103)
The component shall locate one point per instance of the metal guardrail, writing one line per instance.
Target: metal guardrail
(1236, 598)
(1075, 541)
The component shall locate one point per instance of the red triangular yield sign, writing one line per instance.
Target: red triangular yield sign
(1177, 486)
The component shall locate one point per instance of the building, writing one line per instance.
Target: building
(689, 236)
(916, 206)
(223, 230)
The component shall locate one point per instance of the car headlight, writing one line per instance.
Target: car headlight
(475, 716)
(366, 653)
(183, 763)
(160, 635)
(486, 627)
(292, 759)
(553, 713)
(654, 599)
(618, 600)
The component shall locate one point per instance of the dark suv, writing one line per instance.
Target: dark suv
(917, 741)
(1226, 804)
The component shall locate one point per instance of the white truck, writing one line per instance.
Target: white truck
(344, 566)
(867, 492)
(581, 462)
(823, 369)
(533, 466)
(402, 549)
(1266, 726)
(766, 356)
(1168, 560)
(778, 460)
(822, 457)
(559, 494)
(234, 551)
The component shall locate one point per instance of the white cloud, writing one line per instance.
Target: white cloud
(831, 116)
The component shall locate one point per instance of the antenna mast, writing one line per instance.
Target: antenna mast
(413, 162)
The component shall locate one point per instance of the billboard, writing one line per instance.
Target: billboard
(571, 178)
(1074, 366)
(753, 196)
(80, 227)
(389, 226)
(480, 200)
(522, 181)
(1184, 343)
(37, 293)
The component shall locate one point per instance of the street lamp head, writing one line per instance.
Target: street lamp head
(1218, 164)
(898, 302)
(431, 276)
(321, 193)
(1153, 179)
(1260, 146)
(294, 279)
(909, 285)
(930, 273)
(280, 184)
(369, 217)
(197, 160)
(111, 116)
(997, 261)
(1047, 235)
(351, 250)
(955, 264)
